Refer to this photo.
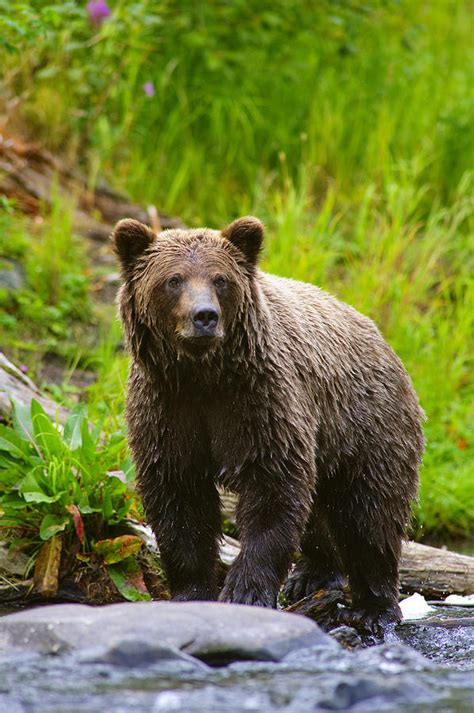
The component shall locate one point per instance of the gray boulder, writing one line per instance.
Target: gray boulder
(12, 275)
(137, 633)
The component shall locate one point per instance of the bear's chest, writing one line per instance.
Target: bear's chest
(219, 432)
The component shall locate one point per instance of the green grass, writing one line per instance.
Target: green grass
(53, 304)
(413, 274)
(346, 126)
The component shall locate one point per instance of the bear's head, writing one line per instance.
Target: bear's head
(186, 287)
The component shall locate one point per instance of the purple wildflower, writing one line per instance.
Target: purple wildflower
(149, 89)
(98, 11)
(23, 368)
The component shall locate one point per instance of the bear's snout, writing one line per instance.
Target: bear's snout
(205, 318)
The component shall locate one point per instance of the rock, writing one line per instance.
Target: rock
(12, 275)
(31, 176)
(210, 631)
(211, 698)
(347, 637)
(347, 695)
(136, 653)
(16, 385)
(14, 563)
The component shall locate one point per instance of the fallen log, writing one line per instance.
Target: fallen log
(32, 176)
(431, 571)
(435, 572)
(16, 385)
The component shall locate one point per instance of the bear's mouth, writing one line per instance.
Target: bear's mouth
(200, 345)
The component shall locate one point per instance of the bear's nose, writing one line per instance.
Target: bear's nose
(205, 318)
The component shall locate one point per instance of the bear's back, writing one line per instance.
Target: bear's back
(340, 352)
(307, 312)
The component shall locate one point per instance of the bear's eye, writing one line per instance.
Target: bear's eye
(220, 282)
(175, 283)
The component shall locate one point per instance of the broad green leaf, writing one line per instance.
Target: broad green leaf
(52, 524)
(10, 478)
(97, 432)
(115, 485)
(22, 423)
(128, 468)
(11, 435)
(73, 427)
(128, 578)
(34, 493)
(46, 435)
(39, 497)
(107, 507)
(13, 501)
(9, 443)
(6, 462)
(87, 446)
(10, 447)
(116, 549)
(84, 506)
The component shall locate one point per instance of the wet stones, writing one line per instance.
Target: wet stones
(124, 633)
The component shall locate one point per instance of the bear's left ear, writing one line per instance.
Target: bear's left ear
(247, 235)
(131, 238)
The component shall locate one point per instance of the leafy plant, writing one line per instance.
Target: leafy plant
(70, 480)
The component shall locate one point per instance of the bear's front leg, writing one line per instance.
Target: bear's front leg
(270, 518)
(186, 520)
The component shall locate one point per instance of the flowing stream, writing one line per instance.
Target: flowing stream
(424, 666)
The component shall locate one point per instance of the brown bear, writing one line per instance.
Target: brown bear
(276, 390)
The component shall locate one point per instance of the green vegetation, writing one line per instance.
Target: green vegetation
(47, 470)
(346, 126)
(68, 480)
(56, 291)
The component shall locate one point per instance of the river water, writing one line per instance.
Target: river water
(423, 666)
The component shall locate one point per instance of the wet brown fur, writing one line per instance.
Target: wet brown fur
(299, 406)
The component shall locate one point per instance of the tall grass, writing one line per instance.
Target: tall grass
(413, 274)
(348, 127)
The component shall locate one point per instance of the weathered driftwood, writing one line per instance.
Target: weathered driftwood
(428, 570)
(16, 385)
(434, 572)
(31, 176)
(46, 574)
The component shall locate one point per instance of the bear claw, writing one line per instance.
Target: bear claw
(243, 595)
(371, 621)
(305, 580)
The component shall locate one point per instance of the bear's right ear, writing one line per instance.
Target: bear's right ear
(131, 238)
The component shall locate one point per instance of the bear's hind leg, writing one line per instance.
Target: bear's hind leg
(368, 522)
(373, 579)
(319, 566)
